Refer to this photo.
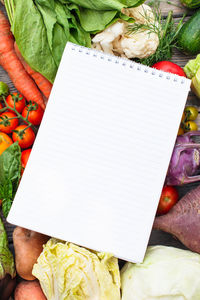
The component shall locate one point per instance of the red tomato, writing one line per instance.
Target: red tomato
(34, 112)
(8, 122)
(25, 157)
(170, 67)
(18, 99)
(168, 199)
(24, 136)
(1, 105)
(5, 142)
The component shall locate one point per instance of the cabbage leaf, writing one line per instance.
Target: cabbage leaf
(70, 272)
(167, 273)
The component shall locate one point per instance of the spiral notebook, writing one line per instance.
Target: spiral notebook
(101, 155)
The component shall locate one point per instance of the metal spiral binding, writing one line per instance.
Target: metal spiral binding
(126, 63)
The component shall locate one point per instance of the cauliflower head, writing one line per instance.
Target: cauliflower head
(116, 40)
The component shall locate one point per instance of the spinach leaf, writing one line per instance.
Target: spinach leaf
(10, 173)
(105, 4)
(31, 37)
(98, 19)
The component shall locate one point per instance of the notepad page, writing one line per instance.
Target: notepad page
(100, 158)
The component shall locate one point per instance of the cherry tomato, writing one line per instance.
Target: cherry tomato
(180, 131)
(34, 112)
(18, 99)
(5, 142)
(190, 126)
(191, 113)
(183, 117)
(25, 157)
(1, 105)
(25, 136)
(168, 199)
(170, 67)
(8, 122)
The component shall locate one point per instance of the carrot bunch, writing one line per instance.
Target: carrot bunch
(32, 85)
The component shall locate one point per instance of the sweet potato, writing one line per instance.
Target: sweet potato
(28, 246)
(29, 290)
(183, 220)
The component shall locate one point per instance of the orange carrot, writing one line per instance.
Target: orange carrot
(12, 65)
(43, 84)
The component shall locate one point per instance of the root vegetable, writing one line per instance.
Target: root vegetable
(28, 246)
(12, 65)
(29, 290)
(185, 160)
(183, 220)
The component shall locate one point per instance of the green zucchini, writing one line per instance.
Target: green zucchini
(189, 35)
(191, 3)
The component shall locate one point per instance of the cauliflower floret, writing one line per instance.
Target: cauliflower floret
(141, 44)
(105, 39)
(142, 14)
(116, 40)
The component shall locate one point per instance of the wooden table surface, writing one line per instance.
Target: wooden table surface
(157, 237)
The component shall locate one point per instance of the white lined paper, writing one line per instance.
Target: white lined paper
(102, 152)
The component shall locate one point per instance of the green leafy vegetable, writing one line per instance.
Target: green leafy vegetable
(192, 70)
(4, 89)
(7, 266)
(167, 273)
(69, 272)
(191, 3)
(42, 27)
(10, 173)
(192, 67)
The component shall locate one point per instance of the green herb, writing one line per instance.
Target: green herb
(42, 27)
(174, 4)
(166, 31)
(158, 2)
(10, 174)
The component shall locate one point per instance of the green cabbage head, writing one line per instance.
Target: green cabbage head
(167, 273)
(69, 272)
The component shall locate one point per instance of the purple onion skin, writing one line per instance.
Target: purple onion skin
(185, 160)
(187, 137)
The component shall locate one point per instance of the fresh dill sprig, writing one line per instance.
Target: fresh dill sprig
(158, 2)
(174, 4)
(165, 29)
